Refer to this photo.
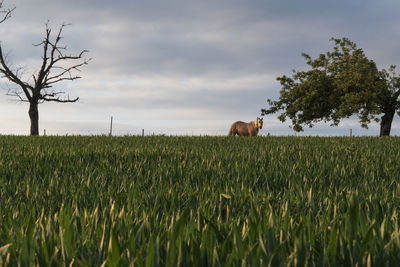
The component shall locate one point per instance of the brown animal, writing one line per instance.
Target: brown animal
(246, 128)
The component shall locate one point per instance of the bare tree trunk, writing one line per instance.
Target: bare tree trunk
(386, 123)
(34, 116)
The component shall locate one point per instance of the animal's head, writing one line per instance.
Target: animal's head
(259, 123)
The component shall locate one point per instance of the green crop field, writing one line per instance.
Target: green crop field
(199, 201)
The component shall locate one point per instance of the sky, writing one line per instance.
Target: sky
(186, 67)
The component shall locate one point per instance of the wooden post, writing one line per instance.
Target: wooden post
(351, 132)
(142, 132)
(44, 132)
(111, 126)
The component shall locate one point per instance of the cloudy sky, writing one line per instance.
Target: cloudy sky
(187, 66)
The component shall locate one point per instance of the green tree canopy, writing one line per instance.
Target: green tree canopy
(340, 83)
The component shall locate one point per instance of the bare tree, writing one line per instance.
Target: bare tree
(5, 13)
(57, 66)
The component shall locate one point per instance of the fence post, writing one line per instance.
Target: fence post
(351, 132)
(142, 132)
(111, 126)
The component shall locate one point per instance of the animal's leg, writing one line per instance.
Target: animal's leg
(232, 132)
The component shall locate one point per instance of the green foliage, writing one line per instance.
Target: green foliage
(199, 201)
(389, 97)
(340, 83)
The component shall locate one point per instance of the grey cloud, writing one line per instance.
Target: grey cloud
(248, 101)
(171, 36)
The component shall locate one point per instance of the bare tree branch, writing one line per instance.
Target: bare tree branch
(5, 13)
(59, 100)
(53, 96)
(53, 55)
(17, 94)
(56, 67)
(13, 77)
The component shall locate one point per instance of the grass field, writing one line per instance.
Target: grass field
(199, 201)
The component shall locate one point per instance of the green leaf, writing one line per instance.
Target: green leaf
(332, 246)
(225, 196)
(4, 249)
(114, 253)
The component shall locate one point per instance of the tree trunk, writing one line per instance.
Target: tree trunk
(386, 123)
(34, 116)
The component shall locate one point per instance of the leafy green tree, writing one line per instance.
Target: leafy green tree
(340, 83)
